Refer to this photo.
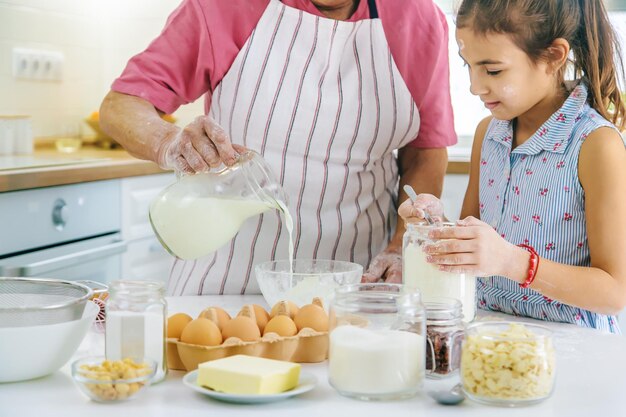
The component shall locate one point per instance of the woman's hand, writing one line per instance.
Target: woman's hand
(413, 211)
(198, 147)
(386, 266)
(472, 247)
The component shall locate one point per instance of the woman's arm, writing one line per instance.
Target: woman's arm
(136, 125)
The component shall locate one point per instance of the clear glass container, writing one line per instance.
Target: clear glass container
(432, 282)
(202, 212)
(377, 341)
(136, 314)
(444, 334)
(508, 364)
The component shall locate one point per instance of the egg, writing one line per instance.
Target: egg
(216, 314)
(313, 316)
(201, 331)
(176, 323)
(242, 327)
(260, 315)
(281, 325)
(287, 308)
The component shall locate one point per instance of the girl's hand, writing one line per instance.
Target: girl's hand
(471, 247)
(413, 212)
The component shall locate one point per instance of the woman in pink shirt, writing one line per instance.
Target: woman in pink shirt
(325, 90)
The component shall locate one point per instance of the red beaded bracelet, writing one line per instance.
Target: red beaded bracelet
(533, 265)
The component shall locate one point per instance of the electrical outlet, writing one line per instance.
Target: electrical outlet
(34, 64)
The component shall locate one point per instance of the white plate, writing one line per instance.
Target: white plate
(306, 383)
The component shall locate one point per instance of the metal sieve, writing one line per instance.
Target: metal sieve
(40, 301)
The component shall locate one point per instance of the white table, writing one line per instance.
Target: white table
(591, 381)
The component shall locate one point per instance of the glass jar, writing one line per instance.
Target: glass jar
(377, 341)
(432, 282)
(507, 364)
(135, 323)
(444, 333)
(202, 212)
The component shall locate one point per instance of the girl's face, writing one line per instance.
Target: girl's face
(502, 75)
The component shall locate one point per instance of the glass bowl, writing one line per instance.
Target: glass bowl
(507, 363)
(109, 381)
(311, 278)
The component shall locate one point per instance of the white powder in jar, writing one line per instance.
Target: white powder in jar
(376, 362)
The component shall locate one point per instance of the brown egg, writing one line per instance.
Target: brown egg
(313, 316)
(201, 331)
(242, 327)
(260, 315)
(176, 323)
(216, 314)
(287, 308)
(281, 325)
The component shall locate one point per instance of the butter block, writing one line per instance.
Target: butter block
(241, 374)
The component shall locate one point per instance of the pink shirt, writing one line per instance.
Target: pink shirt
(203, 37)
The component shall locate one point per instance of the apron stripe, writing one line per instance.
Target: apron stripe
(206, 273)
(230, 127)
(346, 168)
(280, 84)
(354, 137)
(261, 73)
(252, 250)
(266, 134)
(171, 281)
(182, 291)
(369, 151)
(391, 135)
(291, 123)
(326, 159)
(245, 137)
(309, 140)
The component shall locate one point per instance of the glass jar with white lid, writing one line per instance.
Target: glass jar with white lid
(432, 282)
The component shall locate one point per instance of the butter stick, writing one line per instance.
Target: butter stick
(241, 374)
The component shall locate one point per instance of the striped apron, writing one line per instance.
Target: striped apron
(322, 100)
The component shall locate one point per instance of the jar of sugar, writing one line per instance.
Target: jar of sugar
(136, 313)
(432, 282)
(377, 341)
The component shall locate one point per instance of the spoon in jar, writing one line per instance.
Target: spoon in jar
(453, 396)
(413, 196)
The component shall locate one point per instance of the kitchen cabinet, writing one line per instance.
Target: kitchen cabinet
(145, 258)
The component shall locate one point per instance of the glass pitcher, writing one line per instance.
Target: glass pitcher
(202, 212)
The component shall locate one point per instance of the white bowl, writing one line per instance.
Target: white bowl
(311, 278)
(35, 351)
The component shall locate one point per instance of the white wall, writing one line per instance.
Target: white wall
(97, 38)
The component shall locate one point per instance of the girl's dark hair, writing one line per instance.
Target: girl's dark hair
(535, 24)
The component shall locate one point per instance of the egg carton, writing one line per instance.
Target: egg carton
(308, 346)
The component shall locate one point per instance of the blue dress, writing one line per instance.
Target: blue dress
(532, 195)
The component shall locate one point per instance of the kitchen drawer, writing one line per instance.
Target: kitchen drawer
(145, 259)
(137, 195)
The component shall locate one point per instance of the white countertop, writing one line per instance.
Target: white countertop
(591, 380)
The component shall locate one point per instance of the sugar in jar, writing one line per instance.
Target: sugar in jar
(377, 341)
(136, 314)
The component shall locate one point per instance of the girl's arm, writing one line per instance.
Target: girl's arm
(478, 248)
(470, 202)
(602, 287)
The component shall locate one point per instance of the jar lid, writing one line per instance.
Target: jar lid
(443, 309)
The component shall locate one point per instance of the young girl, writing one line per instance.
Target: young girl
(544, 215)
